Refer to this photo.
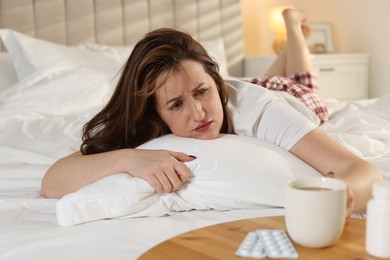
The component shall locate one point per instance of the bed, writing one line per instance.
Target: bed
(59, 64)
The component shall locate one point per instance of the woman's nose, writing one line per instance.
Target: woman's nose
(197, 111)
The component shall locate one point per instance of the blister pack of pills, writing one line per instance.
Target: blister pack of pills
(267, 243)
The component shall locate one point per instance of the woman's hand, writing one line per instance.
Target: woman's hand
(162, 169)
(350, 198)
(325, 154)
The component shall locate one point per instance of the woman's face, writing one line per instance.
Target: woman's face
(189, 102)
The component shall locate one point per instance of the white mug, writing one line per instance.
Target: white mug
(315, 211)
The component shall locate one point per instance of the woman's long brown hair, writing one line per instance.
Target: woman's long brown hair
(130, 117)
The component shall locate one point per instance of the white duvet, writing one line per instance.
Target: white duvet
(364, 128)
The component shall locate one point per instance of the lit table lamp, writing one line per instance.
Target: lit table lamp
(276, 22)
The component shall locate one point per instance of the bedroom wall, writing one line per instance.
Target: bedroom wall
(358, 26)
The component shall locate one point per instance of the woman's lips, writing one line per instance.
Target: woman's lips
(203, 127)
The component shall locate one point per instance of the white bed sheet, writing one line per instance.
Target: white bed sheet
(363, 126)
(29, 229)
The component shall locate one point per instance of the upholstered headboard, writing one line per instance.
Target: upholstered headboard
(124, 22)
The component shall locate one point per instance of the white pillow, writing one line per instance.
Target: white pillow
(119, 53)
(46, 112)
(216, 49)
(30, 55)
(8, 75)
(230, 172)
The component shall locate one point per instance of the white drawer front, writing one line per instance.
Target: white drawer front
(346, 82)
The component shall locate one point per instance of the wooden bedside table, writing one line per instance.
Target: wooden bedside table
(340, 76)
(221, 242)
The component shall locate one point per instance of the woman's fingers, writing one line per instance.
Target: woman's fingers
(350, 198)
(174, 173)
(350, 203)
(182, 157)
(181, 171)
(165, 183)
(163, 170)
(155, 183)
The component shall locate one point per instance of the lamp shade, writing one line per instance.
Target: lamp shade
(276, 20)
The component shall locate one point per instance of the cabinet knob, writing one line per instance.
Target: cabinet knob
(327, 69)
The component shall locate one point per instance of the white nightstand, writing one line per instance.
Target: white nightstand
(340, 76)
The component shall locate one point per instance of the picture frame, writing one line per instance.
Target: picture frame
(321, 38)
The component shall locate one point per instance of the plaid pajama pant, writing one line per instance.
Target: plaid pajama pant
(303, 86)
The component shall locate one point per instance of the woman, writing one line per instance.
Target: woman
(170, 85)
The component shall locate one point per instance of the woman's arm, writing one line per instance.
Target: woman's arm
(163, 169)
(332, 159)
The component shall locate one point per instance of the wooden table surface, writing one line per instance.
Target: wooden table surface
(221, 242)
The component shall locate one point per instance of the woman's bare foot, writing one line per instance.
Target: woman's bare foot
(295, 18)
(306, 30)
(296, 48)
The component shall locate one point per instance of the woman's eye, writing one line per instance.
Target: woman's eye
(201, 91)
(176, 105)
